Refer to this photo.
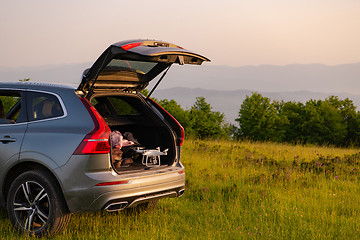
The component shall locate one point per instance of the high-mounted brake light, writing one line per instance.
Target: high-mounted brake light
(131, 45)
(176, 121)
(96, 141)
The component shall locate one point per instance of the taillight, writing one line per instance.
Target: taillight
(131, 45)
(182, 132)
(96, 141)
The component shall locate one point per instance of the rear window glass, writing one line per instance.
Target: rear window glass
(43, 106)
(131, 66)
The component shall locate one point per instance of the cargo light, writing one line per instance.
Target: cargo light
(112, 183)
(96, 141)
(131, 45)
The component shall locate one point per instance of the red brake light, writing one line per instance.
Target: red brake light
(182, 132)
(96, 141)
(131, 45)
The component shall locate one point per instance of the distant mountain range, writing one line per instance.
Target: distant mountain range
(296, 77)
(68, 74)
(222, 86)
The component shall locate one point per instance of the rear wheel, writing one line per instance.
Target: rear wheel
(35, 204)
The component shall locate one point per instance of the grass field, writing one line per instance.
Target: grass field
(242, 190)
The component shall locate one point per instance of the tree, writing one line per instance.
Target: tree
(204, 122)
(199, 121)
(349, 115)
(295, 114)
(181, 115)
(323, 123)
(330, 121)
(260, 120)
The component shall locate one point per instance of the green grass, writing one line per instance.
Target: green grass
(242, 190)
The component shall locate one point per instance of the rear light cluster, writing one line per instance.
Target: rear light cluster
(147, 43)
(96, 141)
(181, 129)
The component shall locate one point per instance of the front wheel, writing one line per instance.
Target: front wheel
(35, 205)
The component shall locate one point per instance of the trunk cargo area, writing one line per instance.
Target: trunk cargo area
(147, 142)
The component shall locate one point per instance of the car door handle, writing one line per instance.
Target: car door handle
(7, 139)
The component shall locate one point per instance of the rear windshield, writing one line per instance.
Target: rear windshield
(131, 66)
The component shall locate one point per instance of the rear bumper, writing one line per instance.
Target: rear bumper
(128, 202)
(82, 194)
(135, 194)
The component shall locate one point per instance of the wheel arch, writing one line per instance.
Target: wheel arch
(25, 167)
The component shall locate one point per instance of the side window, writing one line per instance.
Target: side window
(10, 107)
(43, 106)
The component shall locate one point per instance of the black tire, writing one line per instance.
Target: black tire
(35, 204)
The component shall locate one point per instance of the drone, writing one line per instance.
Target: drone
(151, 157)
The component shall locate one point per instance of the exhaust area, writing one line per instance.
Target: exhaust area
(117, 206)
(181, 192)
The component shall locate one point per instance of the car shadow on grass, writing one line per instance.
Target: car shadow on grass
(6, 228)
(3, 213)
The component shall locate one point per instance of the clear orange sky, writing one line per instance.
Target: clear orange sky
(230, 32)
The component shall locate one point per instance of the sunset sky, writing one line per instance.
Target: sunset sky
(229, 32)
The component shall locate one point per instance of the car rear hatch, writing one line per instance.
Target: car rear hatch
(130, 65)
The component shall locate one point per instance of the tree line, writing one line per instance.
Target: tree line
(331, 121)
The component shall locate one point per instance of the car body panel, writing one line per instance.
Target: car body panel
(55, 139)
(82, 194)
(10, 151)
(11, 138)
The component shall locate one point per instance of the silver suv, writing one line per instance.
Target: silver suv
(102, 146)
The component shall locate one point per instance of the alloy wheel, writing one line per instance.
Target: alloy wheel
(31, 206)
